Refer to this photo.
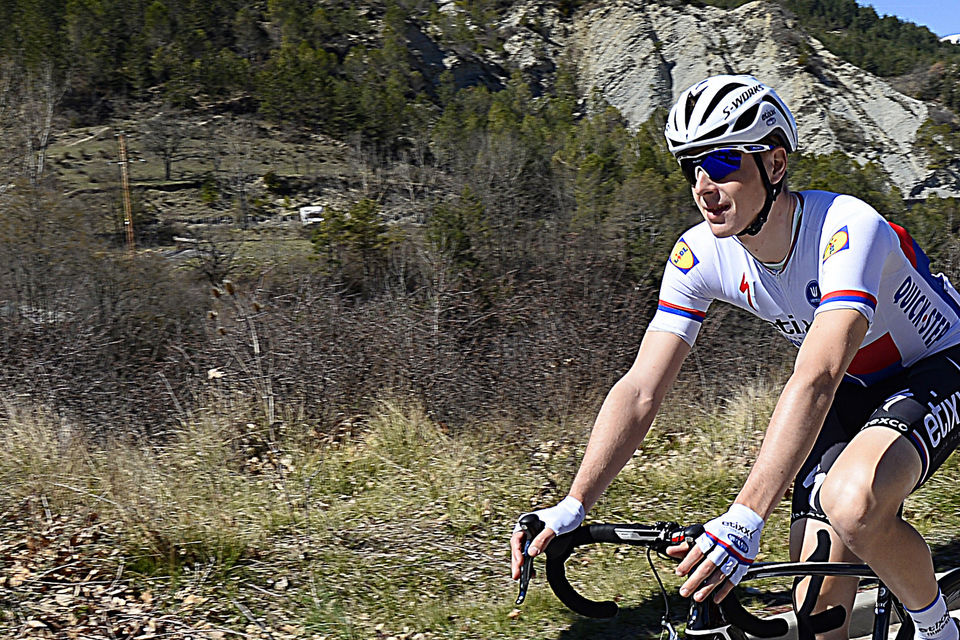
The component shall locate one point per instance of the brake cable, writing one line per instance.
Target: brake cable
(665, 620)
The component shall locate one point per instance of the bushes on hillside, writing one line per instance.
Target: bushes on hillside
(518, 284)
(370, 68)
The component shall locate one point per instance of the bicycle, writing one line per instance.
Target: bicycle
(729, 620)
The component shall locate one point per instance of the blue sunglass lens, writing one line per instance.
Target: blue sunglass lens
(718, 164)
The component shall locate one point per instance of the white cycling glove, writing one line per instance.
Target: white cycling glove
(562, 518)
(732, 541)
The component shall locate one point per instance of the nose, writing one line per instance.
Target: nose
(702, 182)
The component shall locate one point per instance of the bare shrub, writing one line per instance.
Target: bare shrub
(128, 345)
(87, 331)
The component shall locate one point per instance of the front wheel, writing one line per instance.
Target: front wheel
(950, 588)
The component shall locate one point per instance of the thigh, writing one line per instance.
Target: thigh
(871, 477)
(922, 404)
(851, 407)
(925, 410)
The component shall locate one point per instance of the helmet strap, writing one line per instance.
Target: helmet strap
(773, 190)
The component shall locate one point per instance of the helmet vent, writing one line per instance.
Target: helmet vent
(745, 120)
(721, 94)
(714, 133)
(778, 106)
(691, 105)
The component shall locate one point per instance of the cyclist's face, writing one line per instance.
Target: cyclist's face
(729, 204)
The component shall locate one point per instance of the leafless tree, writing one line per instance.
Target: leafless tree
(214, 146)
(40, 257)
(8, 123)
(239, 170)
(365, 161)
(214, 258)
(167, 136)
(228, 145)
(43, 93)
(28, 102)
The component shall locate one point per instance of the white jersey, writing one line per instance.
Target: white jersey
(844, 256)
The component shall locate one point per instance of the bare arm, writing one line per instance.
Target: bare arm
(627, 413)
(623, 421)
(827, 351)
(832, 343)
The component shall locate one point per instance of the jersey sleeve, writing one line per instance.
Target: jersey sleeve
(854, 247)
(683, 301)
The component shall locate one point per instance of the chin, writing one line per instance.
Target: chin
(723, 230)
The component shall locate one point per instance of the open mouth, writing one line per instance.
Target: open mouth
(717, 210)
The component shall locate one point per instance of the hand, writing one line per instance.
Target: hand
(729, 545)
(562, 518)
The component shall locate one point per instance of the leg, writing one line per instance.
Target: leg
(906, 438)
(835, 591)
(862, 494)
(852, 405)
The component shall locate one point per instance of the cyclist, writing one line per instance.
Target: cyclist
(871, 408)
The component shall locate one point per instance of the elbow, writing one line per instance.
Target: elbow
(820, 381)
(829, 349)
(645, 405)
(639, 399)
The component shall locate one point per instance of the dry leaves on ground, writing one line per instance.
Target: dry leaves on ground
(64, 577)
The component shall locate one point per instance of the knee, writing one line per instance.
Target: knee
(849, 501)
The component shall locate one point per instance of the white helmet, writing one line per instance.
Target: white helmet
(728, 110)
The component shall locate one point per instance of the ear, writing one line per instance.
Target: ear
(777, 164)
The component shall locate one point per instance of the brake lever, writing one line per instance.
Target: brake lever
(531, 526)
(672, 535)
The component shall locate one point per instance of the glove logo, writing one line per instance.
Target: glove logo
(739, 543)
(736, 526)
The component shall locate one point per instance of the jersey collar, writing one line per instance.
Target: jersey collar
(778, 267)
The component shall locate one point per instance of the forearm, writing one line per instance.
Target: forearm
(826, 353)
(789, 438)
(621, 425)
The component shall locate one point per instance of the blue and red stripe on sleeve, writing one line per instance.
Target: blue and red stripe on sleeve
(676, 309)
(849, 295)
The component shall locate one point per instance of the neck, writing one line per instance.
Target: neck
(773, 241)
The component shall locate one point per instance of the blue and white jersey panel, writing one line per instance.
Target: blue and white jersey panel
(845, 256)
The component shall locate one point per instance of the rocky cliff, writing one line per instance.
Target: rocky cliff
(642, 54)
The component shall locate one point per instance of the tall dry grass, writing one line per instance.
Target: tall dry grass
(396, 531)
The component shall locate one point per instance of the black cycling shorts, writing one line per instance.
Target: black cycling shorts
(921, 402)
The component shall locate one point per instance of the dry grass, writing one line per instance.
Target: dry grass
(229, 527)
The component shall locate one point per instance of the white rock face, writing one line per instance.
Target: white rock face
(536, 35)
(641, 55)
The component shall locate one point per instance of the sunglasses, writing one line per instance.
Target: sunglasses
(718, 163)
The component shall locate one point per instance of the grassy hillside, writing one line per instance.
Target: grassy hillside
(396, 527)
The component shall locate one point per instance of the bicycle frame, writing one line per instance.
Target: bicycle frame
(832, 618)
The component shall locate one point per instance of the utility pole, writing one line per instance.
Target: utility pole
(125, 191)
